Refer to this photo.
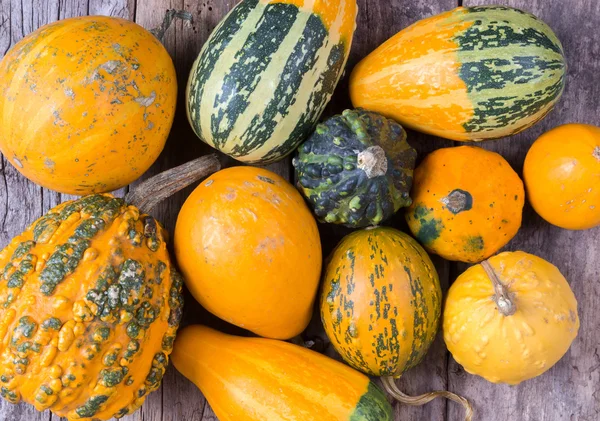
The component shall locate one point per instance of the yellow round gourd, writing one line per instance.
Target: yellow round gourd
(510, 318)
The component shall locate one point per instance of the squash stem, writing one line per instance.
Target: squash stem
(149, 193)
(171, 15)
(502, 297)
(373, 161)
(389, 384)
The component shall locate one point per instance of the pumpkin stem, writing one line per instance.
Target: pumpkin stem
(171, 15)
(156, 189)
(502, 296)
(373, 161)
(389, 384)
(596, 153)
(458, 201)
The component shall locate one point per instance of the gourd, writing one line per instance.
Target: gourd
(510, 318)
(469, 74)
(356, 169)
(90, 303)
(250, 251)
(265, 75)
(256, 379)
(467, 203)
(561, 175)
(380, 306)
(86, 103)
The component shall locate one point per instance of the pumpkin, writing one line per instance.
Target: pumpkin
(266, 73)
(250, 251)
(256, 379)
(561, 174)
(86, 104)
(467, 203)
(90, 304)
(356, 169)
(473, 73)
(510, 318)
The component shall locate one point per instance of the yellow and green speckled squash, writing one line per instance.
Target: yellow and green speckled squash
(90, 303)
(472, 73)
(381, 301)
(381, 304)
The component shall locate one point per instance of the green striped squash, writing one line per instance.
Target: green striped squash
(266, 73)
(470, 74)
(381, 301)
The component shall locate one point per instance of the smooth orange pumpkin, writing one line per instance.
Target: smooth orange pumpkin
(562, 176)
(510, 318)
(250, 250)
(86, 104)
(256, 379)
(467, 203)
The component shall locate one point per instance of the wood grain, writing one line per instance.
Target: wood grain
(570, 391)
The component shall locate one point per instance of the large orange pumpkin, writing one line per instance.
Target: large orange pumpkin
(562, 176)
(86, 104)
(250, 250)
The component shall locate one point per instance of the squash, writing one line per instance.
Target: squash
(263, 78)
(356, 169)
(510, 318)
(381, 301)
(470, 74)
(467, 203)
(90, 303)
(250, 251)
(86, 104)
(380, 306)
(256, 379)
(561, 174)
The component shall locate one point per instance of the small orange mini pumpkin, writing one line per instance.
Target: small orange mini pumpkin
(86, 104)
(250, 250)
(467, 203)
(562, 175)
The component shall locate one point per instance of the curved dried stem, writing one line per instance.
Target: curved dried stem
(390, 386)
(156, 189)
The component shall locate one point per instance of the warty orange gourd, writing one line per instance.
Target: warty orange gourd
(510, 318)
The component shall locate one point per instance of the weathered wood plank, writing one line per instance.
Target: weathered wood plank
(21, 201)
(376, 22)
(179, 399)
(570, 390)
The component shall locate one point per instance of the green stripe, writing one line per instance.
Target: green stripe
(314, 106)
(513, 67)
(264, 56)
(252, 59)
(372, 406)
(202, 69)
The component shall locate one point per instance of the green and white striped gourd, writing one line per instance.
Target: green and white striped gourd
(266, 73)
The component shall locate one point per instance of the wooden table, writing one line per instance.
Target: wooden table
(569, 391)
